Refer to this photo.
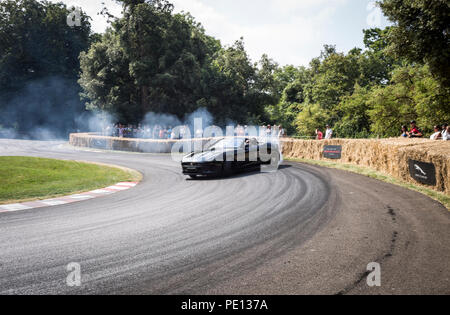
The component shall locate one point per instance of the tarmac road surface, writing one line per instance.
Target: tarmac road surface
(302, 230)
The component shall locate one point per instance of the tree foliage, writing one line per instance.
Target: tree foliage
(421, 33)
(413, 95)
(39, 56)
(363, 93)
(152, 60)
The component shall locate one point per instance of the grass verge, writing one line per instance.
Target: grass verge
(27, 178)
(441, 197)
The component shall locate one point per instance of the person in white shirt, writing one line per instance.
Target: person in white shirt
(445, 132)
(446, 135)
(437, 135)
(281, 132)
(329, 133)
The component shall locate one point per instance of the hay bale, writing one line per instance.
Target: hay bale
(390, 156)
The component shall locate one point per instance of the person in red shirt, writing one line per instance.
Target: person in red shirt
(319, 135)
(415, 131)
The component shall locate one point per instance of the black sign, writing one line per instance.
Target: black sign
(332, 152)
(424, 173)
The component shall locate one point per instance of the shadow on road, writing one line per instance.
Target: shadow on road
(241, 174)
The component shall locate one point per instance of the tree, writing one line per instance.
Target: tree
(310, 118)
(150, 61)
(39, 65)
(376, 65)
(421, 33)
(291, 82)
(106, 80)
(235, 92)
(336, 78)
(413, 95)
(353, 111)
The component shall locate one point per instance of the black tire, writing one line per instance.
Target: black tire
(227, 169)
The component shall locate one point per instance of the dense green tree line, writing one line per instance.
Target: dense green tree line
(39, 65)
(153, 60)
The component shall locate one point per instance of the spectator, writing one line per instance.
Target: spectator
(437, 135)
(281, 132)
(415, 131)
(405, 133)
(444, 130)
(446, 136)
(240, 131)
(319, 135)
(121, 131)
(184, 134)
(147, 132)
(329, 133)
(173, 135)
(162, 133)
(263, 131)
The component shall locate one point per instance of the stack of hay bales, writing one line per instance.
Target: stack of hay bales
(390, 156)
(90, 140)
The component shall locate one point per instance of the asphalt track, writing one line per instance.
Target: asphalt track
(302, 230)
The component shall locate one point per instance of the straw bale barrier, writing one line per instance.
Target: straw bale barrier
(90, 140)
(389, 156)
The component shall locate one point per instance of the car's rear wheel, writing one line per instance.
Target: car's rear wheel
(227, 169)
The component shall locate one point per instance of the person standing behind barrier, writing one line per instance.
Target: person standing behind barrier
(415, 131)
(437, 135)
(121, 131)
(446, 137)
(444, 131)
(319, 135)
(329, 133)
(281, 132)
(405, 133)
(263, 131)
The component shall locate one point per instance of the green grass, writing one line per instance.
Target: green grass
(441, 197)
(27, 178)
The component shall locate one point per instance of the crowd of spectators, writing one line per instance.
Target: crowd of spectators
(169, 133)
(164, 133)
(440, 132)
(139, 131)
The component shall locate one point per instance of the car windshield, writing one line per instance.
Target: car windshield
(228, 143)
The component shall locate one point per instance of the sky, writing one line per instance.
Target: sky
(288, 31)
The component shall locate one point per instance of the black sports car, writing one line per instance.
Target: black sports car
(230, 155)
